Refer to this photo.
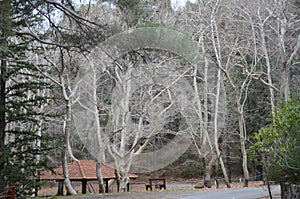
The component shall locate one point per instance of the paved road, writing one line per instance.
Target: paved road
(244, 193)
(172, 186)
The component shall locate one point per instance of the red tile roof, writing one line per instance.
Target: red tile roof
(82, 169)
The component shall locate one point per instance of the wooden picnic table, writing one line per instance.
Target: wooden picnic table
(153, 181)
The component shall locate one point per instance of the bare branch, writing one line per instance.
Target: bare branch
(72, 14)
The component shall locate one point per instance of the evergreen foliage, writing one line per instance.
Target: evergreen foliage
(279, 143)
(23, 91)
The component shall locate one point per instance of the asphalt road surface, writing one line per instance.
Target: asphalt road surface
(244, 193)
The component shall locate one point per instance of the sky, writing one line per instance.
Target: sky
(180, 3)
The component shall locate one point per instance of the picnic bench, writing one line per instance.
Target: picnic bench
(157, 182)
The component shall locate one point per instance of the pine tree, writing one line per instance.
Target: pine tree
(22, 99)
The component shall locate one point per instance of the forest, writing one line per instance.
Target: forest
(137, 83)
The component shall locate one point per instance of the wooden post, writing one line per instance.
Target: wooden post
(36, 189)
(13, 193)
(60, 191)
(83, 186)
(150, 182)
(106, 185)
(118, 185)
(36, 192)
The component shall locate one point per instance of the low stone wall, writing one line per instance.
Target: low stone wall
(290, 191)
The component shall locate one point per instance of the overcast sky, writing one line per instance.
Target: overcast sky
(180, 3)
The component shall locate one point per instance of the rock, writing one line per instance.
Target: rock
(199, 185)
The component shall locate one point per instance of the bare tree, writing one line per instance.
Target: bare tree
(148, 105)
(139, 104)
(58, 66)
(210, 131)
(132, 123)
(91, 106)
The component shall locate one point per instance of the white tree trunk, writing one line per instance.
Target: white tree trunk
(268, 64)
(216, 130)
(100, 177)
(286, 71)
(243, 150)
(217, 50)
(100, 141)
(210, 163)
(67, 181)
(123, 180)
(205, 147)
(65, 149)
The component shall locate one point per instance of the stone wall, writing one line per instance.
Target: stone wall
(290, 191)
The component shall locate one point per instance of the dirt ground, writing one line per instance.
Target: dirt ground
(50, 188)
(179, 188)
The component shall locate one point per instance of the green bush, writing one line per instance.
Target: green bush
(278, 145)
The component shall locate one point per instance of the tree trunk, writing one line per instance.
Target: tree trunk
(268, 64)
(216, 130)
(243, 150)
(123, 183)
(122, 180)
(209, 169)
(205, 140)
(287, 65)
(2, 118)
(285, 89)
(227, 157)
(224, 171)
(65, 149)
(70, 190)
(100, 178)
(4, 33)
(207, 179)
(100, 156)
